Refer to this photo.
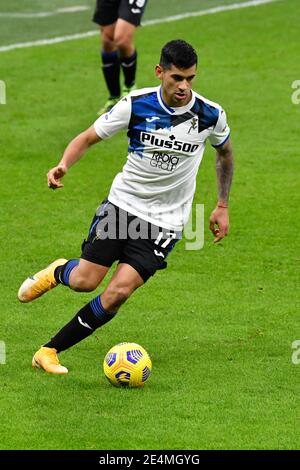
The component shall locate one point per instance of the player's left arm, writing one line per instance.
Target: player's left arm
(219, 219)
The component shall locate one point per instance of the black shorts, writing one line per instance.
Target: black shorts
(108, 11)
(117, 235)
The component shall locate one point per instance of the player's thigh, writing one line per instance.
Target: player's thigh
(128, 276)
(124, 36)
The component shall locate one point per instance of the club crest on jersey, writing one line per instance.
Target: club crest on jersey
(194, 125)
(170, 144)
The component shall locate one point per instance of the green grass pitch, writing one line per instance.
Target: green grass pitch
(219, 323)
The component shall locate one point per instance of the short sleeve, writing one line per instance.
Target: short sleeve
(221, 132)
(115, 120)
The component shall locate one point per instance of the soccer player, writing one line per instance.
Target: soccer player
(118, 20)
(149, 201)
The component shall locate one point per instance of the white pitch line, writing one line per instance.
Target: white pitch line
(44, 14)
(45, 42)
(209, 11)
(72, 37)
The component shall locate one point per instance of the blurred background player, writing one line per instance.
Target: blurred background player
(118, 20)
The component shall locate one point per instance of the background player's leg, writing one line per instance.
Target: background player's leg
(124, 41)
(110, 65)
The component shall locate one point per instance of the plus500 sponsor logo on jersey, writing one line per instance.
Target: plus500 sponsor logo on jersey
(178, 145)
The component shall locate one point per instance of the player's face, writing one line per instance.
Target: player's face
(176, 84)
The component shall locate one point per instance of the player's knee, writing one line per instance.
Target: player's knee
(124, 44)
(84, 284)
(121, 293)
(117, 294)
(108, 44)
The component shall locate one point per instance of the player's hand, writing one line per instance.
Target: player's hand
(55, 175)
(219, 223)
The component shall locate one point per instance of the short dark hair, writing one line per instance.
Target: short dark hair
(178, 53)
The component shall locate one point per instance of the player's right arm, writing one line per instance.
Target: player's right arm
(74, 151)
(103, 128)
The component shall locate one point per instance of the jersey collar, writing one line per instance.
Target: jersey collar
(177, 110)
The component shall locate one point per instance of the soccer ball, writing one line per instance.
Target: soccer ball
(127, 365)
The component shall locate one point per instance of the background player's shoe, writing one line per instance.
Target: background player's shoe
(46, 358)
(108, 105)
(36, 285)
(127, 89)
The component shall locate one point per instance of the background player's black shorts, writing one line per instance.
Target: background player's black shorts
(108, 11)
(116, 235)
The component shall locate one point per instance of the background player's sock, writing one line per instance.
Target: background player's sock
(129, 69)
(62, 273)
(85, 322)
(111, 72)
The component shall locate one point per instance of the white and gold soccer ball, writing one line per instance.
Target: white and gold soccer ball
(127, 365)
